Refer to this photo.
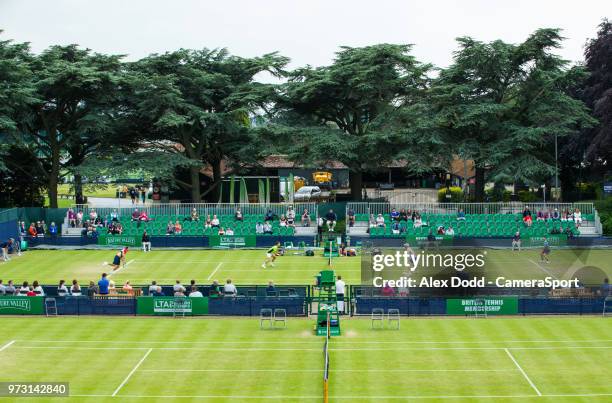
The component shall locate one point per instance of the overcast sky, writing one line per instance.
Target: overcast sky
(308, 31)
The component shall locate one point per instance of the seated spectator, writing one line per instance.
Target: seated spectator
(119, 228)
(194, 215)
(290, 216)
(555, 215)
(32, 231)
(79, 218)
(577, 217)
(418, 222)
(144, 217)
(305, 218)
(380, 221)
(230, 289)
(569, 233)
(267, 228)
(62, 290)
(229, 231)
(282, 221)
(93, 215)
(25, 287)
(527, 220)
(214, 223)
(215, 290)
(440, 230)
(449, 231)
(372, 221)
(135, 215)
(38, 289)
(170, 228)
(208, 222)
(547, 215)
(176, 228)
(158, 292)
(431, 237)
(93, 289)
(395, 215)
(31, 292)
(259, 228)
(350, 216)
(40, 231)
(269, 216)
(403, 215)
(270, 289)
(539, 216)
(153, 286)
(114, 216)
(75, 289)
(103, 285)
(71, 218)
(526, 212)
(387, 290)
(221, 231)
(461, 215)
(98, 222)
(10, 288)
(127, 287)
(195, 293)
(238, 215)
(178, 289)
(395, 227)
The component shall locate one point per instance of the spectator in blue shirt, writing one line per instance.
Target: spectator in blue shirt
(53, 230)
(331, 219)
(395, 215)
(103, 285)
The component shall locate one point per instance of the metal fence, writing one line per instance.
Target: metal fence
(468, 208)
(203, 209)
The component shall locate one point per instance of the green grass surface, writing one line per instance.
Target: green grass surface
(244, 266)
(218, 359)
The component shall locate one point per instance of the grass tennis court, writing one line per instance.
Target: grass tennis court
(244, 266)
(220, 359)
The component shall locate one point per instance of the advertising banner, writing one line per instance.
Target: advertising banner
(21, 305)
(492, 306)
(165, 306)
(119, 240)
(232, 241)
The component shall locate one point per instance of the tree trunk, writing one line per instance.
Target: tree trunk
(78, 189)
(194, 174)
(479, 185)
(54, 177)
(216, 167)
(356, 182)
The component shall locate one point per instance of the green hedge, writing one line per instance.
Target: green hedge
(455, 192)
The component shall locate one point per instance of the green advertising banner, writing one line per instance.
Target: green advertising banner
(232, 241)
(21, 305)
(119, 240)
(490, 305)
(553, 240)
(164, 306)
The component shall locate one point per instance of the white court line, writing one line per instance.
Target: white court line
(316, 349)
(7, 345)
(127, 378)
(214, 271)
(122, 267)
(301, 341)
(344, 397)
(544, 269)
(320, 370)
(523, 372)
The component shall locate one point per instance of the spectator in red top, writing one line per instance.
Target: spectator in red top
(135, 215)
(387, 291)
(32, 231)
(31, 292)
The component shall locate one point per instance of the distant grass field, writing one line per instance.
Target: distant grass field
(244, 266)
(218, 359)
